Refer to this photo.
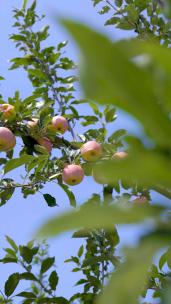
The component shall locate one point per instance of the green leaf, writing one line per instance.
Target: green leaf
(33, 6)
(112, 21)
(93, 216)
(163, 260)
(24, 4)
(95, 2)
(80, 251)
(17, 162)
(26, 294)
(146, 167)
(10, 252)
(118, 2)
(11, 283)
(6, 194)
(53, 280)
(8, 260)
(62, 44)
(169, 258)
(111, 77)
(50, 200)
(69, 194)
(47, 264)
(18, 38)
(28, 276)
(28, 253)
(104, 10)
(110, 115)
(117, 135)
(12, 243)
(57, 300)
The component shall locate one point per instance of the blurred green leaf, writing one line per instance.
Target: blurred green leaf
(146, 167)
(24, 4)
(163, 260)
(92, 216)
(110, 77)
(130, 277)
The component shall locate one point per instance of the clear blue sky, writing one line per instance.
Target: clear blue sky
(20, 218)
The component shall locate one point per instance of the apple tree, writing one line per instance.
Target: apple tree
(133, 75)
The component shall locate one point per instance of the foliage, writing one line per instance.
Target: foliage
(144, 17)
(49, 71)
(133, 75)
(35, 264)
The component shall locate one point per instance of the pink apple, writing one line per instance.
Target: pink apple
(73, 175)
(46, 143)
(58, 124)
(7, 139)
(7, 110)
(91, 150)
(32, 123)
(120, 155)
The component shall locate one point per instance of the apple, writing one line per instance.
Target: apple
(91, 151)
(7, 110)
(7, 139)
(32, 123)
(120, 155)
(58, 124)
(46, 143)
(72, 175)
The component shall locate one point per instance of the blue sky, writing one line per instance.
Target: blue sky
(21, 217)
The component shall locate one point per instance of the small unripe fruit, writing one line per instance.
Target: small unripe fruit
(7, 139)
(120, 155)
(32, 123)
(46, 143)
(7, 110)
(140, 200)
(91, 151)
(72, 175)
(58, 124)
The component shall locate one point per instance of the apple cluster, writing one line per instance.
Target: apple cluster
(72, 174)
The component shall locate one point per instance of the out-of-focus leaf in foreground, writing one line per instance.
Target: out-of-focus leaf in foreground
(109, 76)
(144, 166)
(94, 216)
(128, 281)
